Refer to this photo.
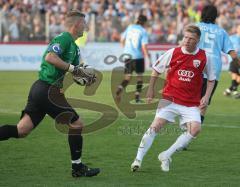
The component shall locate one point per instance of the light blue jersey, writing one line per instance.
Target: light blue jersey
(214, 40)
(235, 39)
(135, 36)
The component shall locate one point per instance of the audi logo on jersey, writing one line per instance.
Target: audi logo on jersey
(185, 73)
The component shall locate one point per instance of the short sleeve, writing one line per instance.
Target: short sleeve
(59, 44)
(227, 44)
(144, 38)
(209, 69)
(162, 63)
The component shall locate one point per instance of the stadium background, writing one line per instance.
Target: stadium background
(27, 26)
(42, 159)
(39, 20)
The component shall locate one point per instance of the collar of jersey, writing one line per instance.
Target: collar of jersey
(186, 52)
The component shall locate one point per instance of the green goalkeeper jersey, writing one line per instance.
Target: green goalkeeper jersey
(64, 46)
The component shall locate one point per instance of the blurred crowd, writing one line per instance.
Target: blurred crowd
(41, 20)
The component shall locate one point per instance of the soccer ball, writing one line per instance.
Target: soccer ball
(86, 76)
(82, 81)
(89, 70)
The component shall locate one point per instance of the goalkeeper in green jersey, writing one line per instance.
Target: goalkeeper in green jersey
(45, 97)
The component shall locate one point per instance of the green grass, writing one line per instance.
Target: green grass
(42, 159)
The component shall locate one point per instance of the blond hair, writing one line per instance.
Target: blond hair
(193, 29)
(72, 17)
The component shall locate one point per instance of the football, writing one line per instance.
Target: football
(86, 76)
(89, 70)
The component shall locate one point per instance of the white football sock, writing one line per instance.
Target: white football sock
(182, 141)
(146, 143)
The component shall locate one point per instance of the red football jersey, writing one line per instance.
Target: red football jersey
(184, 75)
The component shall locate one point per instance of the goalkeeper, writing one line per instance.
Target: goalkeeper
(62, 55)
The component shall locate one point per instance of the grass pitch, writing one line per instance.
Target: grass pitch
(42, 159)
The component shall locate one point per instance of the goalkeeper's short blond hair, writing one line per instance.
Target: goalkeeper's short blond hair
(72, 17)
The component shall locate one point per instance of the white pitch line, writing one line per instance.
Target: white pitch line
(6, 111)
(223, 126)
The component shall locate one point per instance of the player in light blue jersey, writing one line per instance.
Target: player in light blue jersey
(234, 67)
(134, 39)
(214, 40)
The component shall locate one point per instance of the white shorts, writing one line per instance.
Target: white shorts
(169, 110)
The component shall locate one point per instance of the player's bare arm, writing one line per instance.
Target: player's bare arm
(150, 92)
(122, 42)
(145, 52)
(205, 99)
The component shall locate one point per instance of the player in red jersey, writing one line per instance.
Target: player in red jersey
(181, 95)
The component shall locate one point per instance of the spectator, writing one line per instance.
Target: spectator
(110, 12)
(25, 27)
(13, 29)
(115, 36)
(172, 35)
(38, 33)
(158, 33)
(54, 27)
